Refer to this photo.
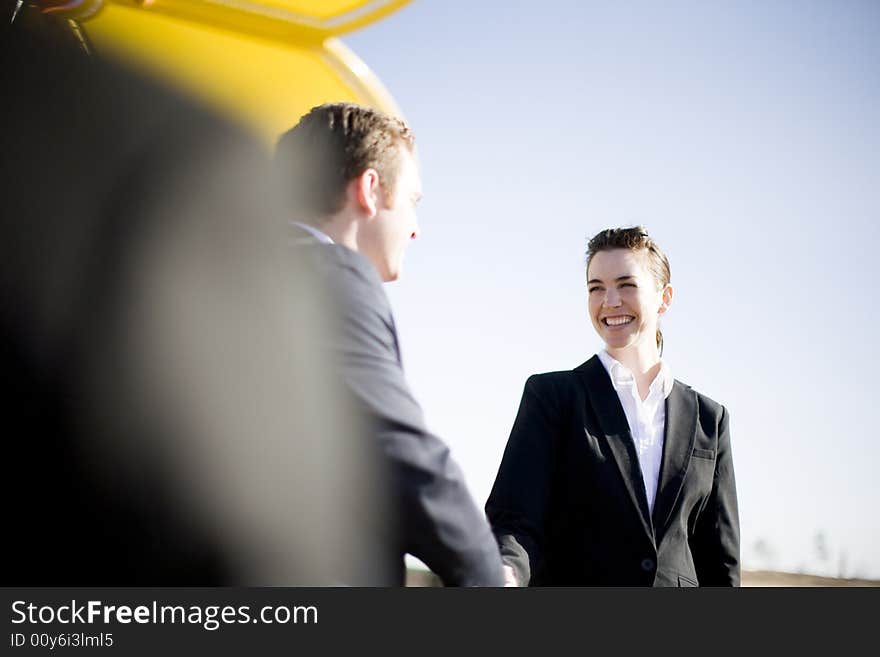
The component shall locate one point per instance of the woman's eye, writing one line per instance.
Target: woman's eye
(594, 289)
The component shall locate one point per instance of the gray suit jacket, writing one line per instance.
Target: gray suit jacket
(434, 516)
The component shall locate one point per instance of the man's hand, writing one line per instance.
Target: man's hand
(509, 577)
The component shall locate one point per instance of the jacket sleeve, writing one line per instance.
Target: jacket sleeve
(518, 504)
(716, 547)
(438, 520)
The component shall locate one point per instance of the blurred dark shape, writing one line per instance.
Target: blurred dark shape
(169, 419)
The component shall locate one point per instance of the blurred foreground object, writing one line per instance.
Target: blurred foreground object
(169, 418)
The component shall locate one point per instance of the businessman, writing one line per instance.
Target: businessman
(354, 186)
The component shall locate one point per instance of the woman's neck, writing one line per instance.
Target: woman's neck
(642, 360)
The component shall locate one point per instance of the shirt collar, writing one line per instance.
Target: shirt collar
(314, 232)
(621, 376)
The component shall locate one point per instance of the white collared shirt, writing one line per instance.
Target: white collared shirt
(646, 419)
(314, 232)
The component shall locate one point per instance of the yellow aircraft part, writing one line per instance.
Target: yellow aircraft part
(262, 63)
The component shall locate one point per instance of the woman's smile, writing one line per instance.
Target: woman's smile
(616, 321)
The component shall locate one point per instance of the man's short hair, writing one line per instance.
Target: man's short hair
(331, 146)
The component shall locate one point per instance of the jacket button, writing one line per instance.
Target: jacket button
(647, 564)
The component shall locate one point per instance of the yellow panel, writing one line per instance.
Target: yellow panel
(324, 9)
(357, 77)
(264, 83)
(281, 19)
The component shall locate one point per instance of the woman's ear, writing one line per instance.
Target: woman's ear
(367, 192)
(665, 299)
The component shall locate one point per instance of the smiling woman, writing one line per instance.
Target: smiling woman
(615, 473)
(628, 284)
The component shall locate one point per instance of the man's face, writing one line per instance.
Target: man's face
(395, 223)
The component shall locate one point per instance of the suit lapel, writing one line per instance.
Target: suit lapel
(678, 444)
(612, 421)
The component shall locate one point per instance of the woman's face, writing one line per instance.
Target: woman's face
(624, 297)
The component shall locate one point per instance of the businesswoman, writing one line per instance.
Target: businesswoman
(616, 474)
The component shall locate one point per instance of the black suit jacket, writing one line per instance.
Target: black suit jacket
(569, 506)
(434, 516)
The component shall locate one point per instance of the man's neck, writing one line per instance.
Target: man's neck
(344, 230)
(341, 229)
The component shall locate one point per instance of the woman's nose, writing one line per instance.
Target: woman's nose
(612, 298)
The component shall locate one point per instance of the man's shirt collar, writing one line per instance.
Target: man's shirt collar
(319, 235)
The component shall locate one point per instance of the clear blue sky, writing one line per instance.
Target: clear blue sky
(744, 136)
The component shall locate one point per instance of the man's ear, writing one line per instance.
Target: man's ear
(367, 192)
(666, 300)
